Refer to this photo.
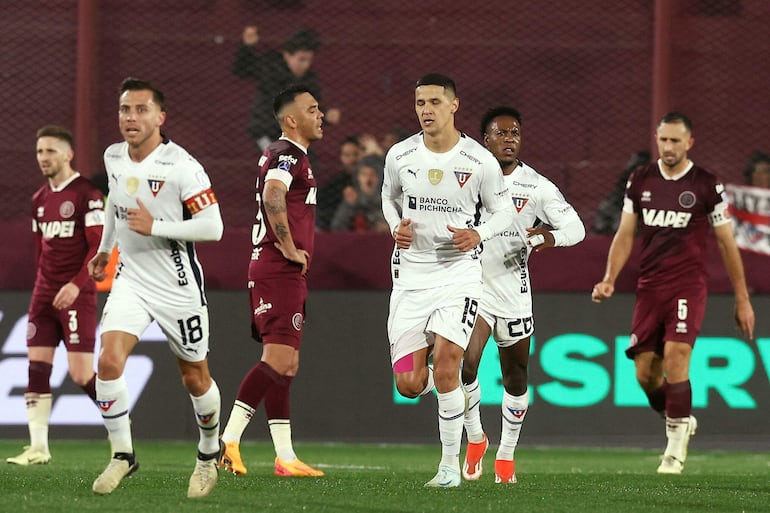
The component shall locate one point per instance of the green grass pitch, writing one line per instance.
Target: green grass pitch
(389, 478)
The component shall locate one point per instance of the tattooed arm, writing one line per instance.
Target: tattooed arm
(274, 201)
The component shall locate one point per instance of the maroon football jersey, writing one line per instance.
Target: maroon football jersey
(68, 226)
(286, 161)
(674, 221)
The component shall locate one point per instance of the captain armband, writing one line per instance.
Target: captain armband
(200, 201)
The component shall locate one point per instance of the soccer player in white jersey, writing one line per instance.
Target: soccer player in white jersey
(505, 311)
(160, 201)
(434, 183)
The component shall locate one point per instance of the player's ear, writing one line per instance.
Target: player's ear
(690, 143)
(161, 118)
(455, 105)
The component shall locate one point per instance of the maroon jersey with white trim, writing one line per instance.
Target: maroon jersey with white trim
(67, 223)
(285, 161)
(674, 220)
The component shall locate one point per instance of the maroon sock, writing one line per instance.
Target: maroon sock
(90, 388)
(678, 399)
(257, 382)
(657, 399)
(39, 377)
(277, 399)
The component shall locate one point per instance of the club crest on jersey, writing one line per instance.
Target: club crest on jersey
(519, 203)
(105, 405)
(687, 199)
(296, 321)
(462, 177)
(66, 209)
(132, 185)
(155, 185)
(435, 176)
(517, 413)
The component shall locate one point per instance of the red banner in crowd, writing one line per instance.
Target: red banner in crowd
(750, 208)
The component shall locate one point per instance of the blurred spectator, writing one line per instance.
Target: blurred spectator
(330, 193)
(361, 207)
(373, 151)
(757, 171)
(274, 71)
(607, 214)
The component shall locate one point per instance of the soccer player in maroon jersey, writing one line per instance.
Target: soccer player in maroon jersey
(283, 236)
(673, 202)
(67, 220)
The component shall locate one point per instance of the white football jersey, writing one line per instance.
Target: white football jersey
(507, 291)
(173, 186)
(435, 190)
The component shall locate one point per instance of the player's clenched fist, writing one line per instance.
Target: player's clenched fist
(602, 290)
(403, 234)
(97, 266)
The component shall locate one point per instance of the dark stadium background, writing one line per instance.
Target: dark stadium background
(590, 78)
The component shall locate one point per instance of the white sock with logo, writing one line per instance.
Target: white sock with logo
(514, 409)
(38, 413)
(207, 408)
(676, 433)
(240, 416)
(472, 421)
(112, 400)
(451, 407)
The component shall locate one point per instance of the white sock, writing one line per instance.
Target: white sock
(240, 416)
(514, 410)
(280, 431)
(112, 400)
(472, 420)
(431, 384)
(206, 409)
(451, 407)
(676, 430)
(38, 413)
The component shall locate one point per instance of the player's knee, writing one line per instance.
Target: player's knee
(409, 386)
(196, 383)
(110, 366)
(81, 377)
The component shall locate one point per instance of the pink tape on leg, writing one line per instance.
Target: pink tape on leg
(405, 364)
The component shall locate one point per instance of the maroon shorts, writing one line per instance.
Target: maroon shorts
(278, 310)
(661, 316)
(75, 325)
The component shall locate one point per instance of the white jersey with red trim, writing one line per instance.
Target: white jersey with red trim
(504, 258)
(435, 190)
(173, 186)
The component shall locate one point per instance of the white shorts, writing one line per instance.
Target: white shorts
(505, 331)
(416, 315)
(187, 329)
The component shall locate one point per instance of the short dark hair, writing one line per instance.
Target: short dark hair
(755, 158)
(58, 132)
(287, 96)
(350, 139)
(494, 112)
(438, 79)
(676, 117)
(137, 84)
(303, 39)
